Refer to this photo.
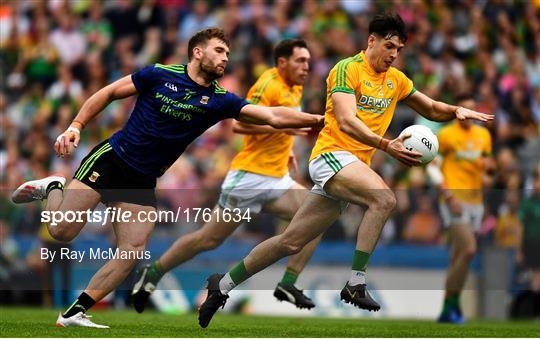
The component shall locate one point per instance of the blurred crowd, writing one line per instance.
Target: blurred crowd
(55, 54)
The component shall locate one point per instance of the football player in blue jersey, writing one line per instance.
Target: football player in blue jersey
(175, 104)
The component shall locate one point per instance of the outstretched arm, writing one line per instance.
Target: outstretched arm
(345, 110)
(119, 89)
(278, 117)
(243, 128)
(440, 111)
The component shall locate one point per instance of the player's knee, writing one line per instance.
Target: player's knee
(385, 201)
(465, 252)
(469, 253)
(290, 247)
(131, 254)
(136, 246)
(211, 242)
(61, 234)
(206, 241)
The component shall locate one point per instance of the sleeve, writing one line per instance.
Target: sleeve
(144, 78)
(406, 87)
(232, 105)
(487, 149)
(263, 93)
(342, 77)
(444, 144)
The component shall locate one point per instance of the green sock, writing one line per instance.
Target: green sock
(360, 261)
(451, 301)
(239, 273)
(155, 272)
(289, 278)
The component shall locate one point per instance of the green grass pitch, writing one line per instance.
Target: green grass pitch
(34, 322)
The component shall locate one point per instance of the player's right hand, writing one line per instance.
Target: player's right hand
(63, 141)
(397, 150)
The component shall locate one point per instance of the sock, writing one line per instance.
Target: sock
(83, 303)
(359, 267)
(357, 278)
(226, 284)
(290, 276)
(360, 261)
(450, 301)
(233, 278)
(155, 272)
(453, 300)
(55, 185)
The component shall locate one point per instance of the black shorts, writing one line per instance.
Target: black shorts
(104, 171)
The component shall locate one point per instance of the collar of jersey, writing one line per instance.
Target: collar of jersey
(369, 69)
(193, 81)
(282, 81)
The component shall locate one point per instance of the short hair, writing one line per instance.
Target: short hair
(286, 47)
(202, 37)
(387, 25)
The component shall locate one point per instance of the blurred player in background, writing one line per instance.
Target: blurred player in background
(466, 158)
(529, 249)
(258, 179)
(362, 93)
(176, 104)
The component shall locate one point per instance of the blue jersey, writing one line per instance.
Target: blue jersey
(171, 111)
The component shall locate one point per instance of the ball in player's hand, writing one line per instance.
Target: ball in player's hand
(422, 140)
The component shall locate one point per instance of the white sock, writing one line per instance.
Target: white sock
(357, 278)
(226, 284)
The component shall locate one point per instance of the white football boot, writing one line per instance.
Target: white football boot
(79, 319)
(35, 189)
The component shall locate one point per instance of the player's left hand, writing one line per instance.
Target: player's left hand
(292, 162)
(463, 113)
(63, 141)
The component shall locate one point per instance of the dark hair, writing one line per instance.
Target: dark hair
(202, 37)
(285, 48)
(387, 25)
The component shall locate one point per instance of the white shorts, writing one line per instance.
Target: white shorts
(471, 214)
(247, 190)
(325, 166)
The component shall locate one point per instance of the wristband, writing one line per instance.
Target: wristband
(383, 144)
(77, 121)
(73, 129)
